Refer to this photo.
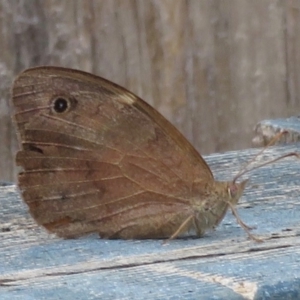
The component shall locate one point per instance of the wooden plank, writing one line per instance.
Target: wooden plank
(266, 130)
(293, 54)
(212, 67)
(223, 264)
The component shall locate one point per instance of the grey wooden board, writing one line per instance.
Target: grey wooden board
(267, 129)
(223, 264)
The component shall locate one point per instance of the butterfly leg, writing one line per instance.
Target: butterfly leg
(199, 231)
(182, 228)
(242, 224)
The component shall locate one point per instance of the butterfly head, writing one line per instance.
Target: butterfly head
(235, 191)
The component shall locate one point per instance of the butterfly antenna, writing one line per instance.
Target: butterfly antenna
(272, 161)
(272, 142)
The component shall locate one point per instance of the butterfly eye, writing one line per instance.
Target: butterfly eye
(61, 104)
(232, 190)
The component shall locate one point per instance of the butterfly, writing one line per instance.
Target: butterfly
(97, 158)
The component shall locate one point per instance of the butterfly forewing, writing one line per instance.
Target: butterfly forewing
(107, 163)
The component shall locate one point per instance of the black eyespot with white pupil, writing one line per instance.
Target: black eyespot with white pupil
(61, 104)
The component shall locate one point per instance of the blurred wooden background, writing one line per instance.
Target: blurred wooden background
(214, 68)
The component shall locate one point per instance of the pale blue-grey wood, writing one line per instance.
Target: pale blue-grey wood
(267, 129)
(222, 265)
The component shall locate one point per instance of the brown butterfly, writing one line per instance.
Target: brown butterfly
(96, 158)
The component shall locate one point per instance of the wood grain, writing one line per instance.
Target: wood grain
(214, 68)
(222, 264)
(266, 130)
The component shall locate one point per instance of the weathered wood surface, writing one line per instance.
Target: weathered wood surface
(222, 265)
(266, 130)
(213, 67)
